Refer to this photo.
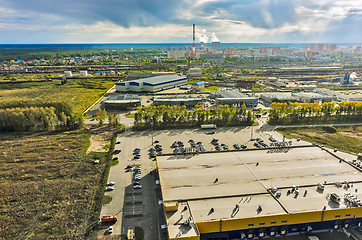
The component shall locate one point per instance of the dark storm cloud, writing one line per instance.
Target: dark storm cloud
(291, 19)
(258, 13)
(122, 12)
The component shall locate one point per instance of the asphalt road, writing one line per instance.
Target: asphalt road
(321, 125)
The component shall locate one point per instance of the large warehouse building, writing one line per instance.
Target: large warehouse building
(122, 102)
(152, 84)
(259, 193)
(234, 98)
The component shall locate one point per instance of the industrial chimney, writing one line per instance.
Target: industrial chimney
(193, 38)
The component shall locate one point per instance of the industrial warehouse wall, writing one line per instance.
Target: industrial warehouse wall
(164, 86)
(352, 212)
(280, 220)
(187, 238)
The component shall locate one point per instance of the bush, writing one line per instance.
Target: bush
(329, 129)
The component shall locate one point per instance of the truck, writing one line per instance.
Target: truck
(208, 126)
(109, 218)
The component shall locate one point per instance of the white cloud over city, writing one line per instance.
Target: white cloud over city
(142, 21)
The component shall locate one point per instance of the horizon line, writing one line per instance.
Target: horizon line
(185, 43)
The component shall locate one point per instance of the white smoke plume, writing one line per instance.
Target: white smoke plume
(201, 36)
(353, 75)
(214, 38)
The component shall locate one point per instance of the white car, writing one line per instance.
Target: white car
(109, 188)
(137, 186)
(110, 229)
(111, 183)
(164, 228)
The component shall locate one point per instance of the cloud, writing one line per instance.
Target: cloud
(161, 20)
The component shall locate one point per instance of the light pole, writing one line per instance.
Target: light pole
(251, 133)
(152, 132)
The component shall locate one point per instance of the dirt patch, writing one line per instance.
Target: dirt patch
(99, 139)
(355, 134)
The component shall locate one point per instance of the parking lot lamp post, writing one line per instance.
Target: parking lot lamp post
(251, 132)
(152, 132)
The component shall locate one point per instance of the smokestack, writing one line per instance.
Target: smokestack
(193, 38)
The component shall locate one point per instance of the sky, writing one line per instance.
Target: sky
(170, 21)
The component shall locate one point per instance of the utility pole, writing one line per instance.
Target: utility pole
(251, 133)
(152, 132)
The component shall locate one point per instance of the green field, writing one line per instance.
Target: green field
(79, 93)
(344, 138)
(49, 188)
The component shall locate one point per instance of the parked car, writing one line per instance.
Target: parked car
(110, 229)
(110, 183)
(163, 228)
(109, 188)
(137, 186)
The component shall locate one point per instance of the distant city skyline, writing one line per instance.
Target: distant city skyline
(160, 21)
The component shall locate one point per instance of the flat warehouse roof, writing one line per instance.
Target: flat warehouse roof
(220, 187)
(123, 97)
(248, 172)
(226, 208)
(161, 79)
(231, 94)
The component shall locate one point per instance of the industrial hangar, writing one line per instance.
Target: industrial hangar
(234, 98)
(152, 84)
(259, 192)
(122, 101)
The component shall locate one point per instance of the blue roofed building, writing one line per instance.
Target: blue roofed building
(199, 86)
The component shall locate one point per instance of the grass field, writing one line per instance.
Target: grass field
(79, 93)
(344, 138)
(49, 188)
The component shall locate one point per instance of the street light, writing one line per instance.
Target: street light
(152, 132)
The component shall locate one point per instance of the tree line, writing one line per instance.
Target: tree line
(167, 117)
(313, 113)
(33, 116)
